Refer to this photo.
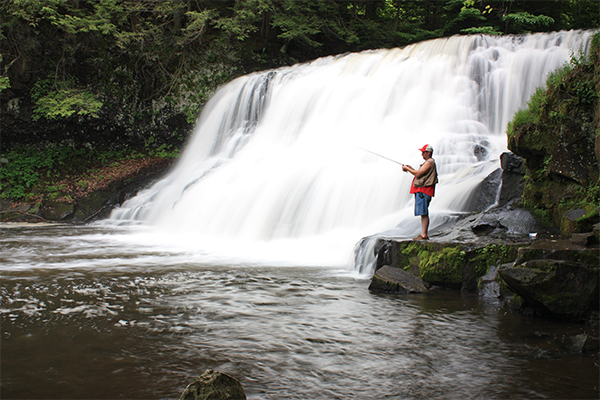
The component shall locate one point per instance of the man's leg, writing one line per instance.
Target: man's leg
(424, 226)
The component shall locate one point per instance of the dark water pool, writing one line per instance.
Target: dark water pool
(116, 322)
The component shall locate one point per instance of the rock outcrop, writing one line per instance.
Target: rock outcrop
(453, 265)
(552, 278)
(556, 278)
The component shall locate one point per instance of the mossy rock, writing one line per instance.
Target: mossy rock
(452, 265)
(555, 288)
(578, 220)
(214, 385)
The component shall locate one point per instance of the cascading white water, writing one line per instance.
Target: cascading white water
(276, 170)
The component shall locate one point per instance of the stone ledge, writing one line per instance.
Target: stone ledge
(553, 278)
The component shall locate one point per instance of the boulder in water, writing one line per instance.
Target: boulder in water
(396, 280)
(556, 279)
(214, 385)
(582, 344)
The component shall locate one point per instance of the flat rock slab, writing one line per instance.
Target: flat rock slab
(396, 280)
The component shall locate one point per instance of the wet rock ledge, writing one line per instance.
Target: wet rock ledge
(551, 277)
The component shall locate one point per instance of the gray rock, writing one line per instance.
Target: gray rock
(485, 195)
(574, 214)
(582, 344)
(396, 280)
(584, 239)
(555, 288)
(513, 171)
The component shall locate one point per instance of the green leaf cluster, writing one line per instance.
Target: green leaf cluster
(66, 102)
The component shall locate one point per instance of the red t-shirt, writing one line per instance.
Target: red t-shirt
(428, 190)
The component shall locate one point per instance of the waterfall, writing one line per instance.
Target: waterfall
(276, 171)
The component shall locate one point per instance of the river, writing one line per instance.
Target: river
(88, 312)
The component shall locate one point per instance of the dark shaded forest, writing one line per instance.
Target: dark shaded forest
(70, 56)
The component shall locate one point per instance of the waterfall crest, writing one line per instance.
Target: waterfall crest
(276, 171)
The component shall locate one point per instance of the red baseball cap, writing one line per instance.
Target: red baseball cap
(426, 148)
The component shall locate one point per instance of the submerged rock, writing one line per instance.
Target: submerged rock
(214, 385)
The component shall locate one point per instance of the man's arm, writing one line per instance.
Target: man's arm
(420, 172)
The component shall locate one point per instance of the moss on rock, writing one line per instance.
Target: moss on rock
(453, 265)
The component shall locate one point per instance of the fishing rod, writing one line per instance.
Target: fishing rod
(379, 155)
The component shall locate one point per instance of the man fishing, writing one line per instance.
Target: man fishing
(423, 186)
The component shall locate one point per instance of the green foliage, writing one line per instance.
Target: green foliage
(199, 22)
(164, 151)
(75, 58)
(4, 83)
(297, 26)
(524, 22)
(66, 102)
(586, 91)
(18, 176)
(481, 30)
(22, 172)
(530, 115)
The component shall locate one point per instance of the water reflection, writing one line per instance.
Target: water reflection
(73, 331)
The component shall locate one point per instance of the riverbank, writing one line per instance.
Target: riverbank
(88, 195)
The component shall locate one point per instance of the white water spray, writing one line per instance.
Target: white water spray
(274, 174)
